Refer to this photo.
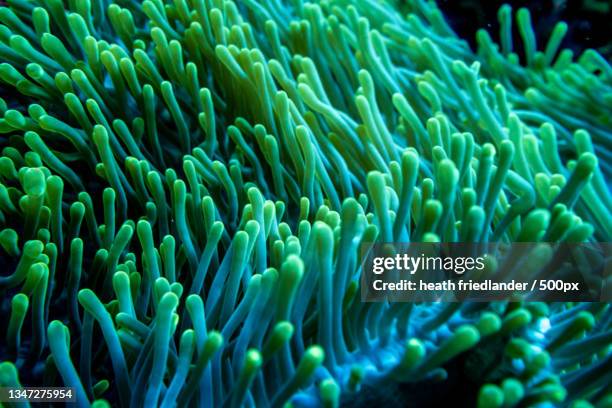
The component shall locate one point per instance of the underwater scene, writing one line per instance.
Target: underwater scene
(189, 190)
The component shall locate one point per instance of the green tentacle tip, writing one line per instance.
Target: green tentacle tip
(488, 324)
(415, 351)
(330, 393)
(9, 241)
(8, 374)
(490, 396)
(313, 357)
(516, 319)
(513, 391)
(34, 182)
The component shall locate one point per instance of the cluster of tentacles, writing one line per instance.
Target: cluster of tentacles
(186, 187)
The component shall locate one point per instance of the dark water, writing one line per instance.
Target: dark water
(588, 20)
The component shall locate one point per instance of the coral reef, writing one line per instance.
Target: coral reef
(186, 185)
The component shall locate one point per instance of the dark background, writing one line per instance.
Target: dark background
(589, 21)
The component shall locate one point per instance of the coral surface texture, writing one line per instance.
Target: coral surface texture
(187, 188)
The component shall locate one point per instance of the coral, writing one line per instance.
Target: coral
(186, 186)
